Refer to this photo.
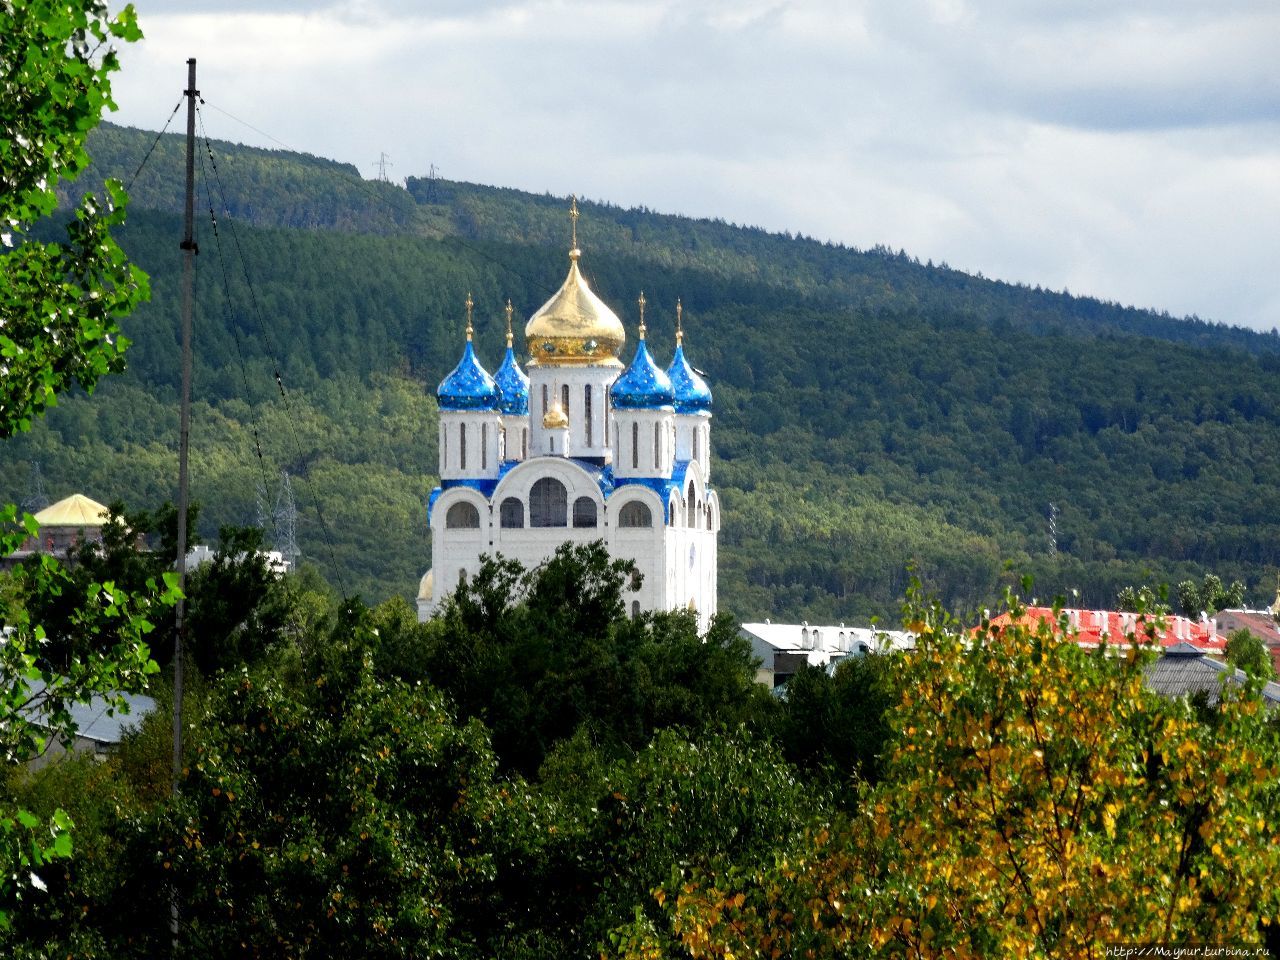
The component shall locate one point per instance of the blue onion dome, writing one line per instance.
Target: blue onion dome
(513, 385)
(469, 386)
(643, 385)
(692, 395)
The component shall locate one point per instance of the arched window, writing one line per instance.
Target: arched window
(673, 507)
(511, 514)
(635, 609)
(691, 513)
(709, 526)
(548, 504)
(462, 446)
(635, 446)
(584, 512)
(635, 514)
(564, 397)
(462, 516)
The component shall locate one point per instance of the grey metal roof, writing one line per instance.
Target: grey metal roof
(93, 720)
(1182, 670)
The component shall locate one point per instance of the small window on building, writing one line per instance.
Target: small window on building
(709, 521)
(586, 410)
(564, 399)
(524, 444)
(584, 512)
(657, 438)
(462, 516)
(544, 399)
(484, 446)
(635, 446)
(462, 446)
(511, 514)
(696, 431)
(691, 513)
(635, 609)
(635, 514)
(548, 504)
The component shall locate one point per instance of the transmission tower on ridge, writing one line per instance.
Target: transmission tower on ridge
(433, 175)
(35, 500)
(1053, 529)
(382, 163)
(286, 518)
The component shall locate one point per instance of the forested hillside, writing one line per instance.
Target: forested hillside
(871, 411)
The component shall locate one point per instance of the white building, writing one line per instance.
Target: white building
(580, 450)
(783, 648)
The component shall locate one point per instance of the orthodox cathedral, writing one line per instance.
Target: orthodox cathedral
(578, 450)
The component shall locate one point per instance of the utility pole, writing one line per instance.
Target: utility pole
(189, 251)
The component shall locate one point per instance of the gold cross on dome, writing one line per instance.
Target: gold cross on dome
(573, 218)
(509, 308)
(642, 302)
(679, 322)
(470, 303)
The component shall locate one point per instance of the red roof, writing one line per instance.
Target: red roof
(1090, 626)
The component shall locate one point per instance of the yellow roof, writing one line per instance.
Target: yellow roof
(76, 510)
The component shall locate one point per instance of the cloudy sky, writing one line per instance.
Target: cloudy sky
(1127, 149)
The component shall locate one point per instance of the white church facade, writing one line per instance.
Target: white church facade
(580, 449)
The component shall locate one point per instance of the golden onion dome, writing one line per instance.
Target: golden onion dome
(574, 327)
(554, 418)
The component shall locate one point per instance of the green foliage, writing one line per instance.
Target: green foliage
(1247, 652)
(1144, 599)
(1037, 800)
(349, 815)
(59, 302)
(1209, 596)
(539, 654)
(837, 725)
(238, 607)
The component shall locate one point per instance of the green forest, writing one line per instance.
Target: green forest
(873, 413)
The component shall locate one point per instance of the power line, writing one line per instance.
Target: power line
(154, 143)
(275, 363)
(235, 330)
